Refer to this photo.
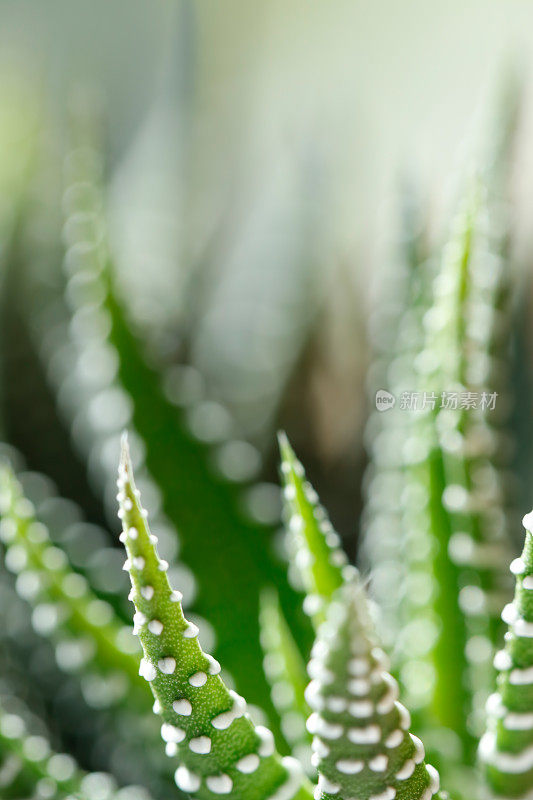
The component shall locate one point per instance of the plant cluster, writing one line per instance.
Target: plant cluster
(265, 663)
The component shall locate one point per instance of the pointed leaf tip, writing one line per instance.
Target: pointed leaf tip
(283, 439)
(204, 724)
(125, 455)
(321, 565)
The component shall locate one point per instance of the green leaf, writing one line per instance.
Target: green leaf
(184, 444)
(441, 664)
(205, 725)
(479, 544)
(435, 477)
(439, 518)
(87, 634)
(30, 768)
(362, 746)
(90, 642)
(286, 673)
(475, 441)
(216, 530)
(314, 546)
(506, 749)
(396, 333)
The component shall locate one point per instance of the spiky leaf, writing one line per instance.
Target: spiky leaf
(30, 768)
(314, 546)
(205, 725)
(200, 495)
(362, 745)
(507, 747)
(286, 673)
(436, 633)
(84, 628)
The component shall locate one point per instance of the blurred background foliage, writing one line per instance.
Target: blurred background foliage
(255, 156)
(241, 113)
(261, 177)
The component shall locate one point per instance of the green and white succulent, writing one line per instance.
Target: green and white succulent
(362, 746)
(29, 766)
(506, 749)
(205, 725)
(325, 716)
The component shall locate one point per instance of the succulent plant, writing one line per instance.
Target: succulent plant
(205, 724)
(362, 746)
(85, 628)
(452, 555)
(114, 384)
(208, 575)
(506, 747)
(314, 547)
(29, 767)
(92, 645)
(285, 670)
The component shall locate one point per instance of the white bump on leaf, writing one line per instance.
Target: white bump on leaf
(182, 707)
(219, 784)
(200, 745)
(248, 764)
(186, 780)
(198, 679)
(266, 746)
(214, 667)
(155, 627)
(167, 665)
(191, 631)
(147, 670)
(170, 733)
